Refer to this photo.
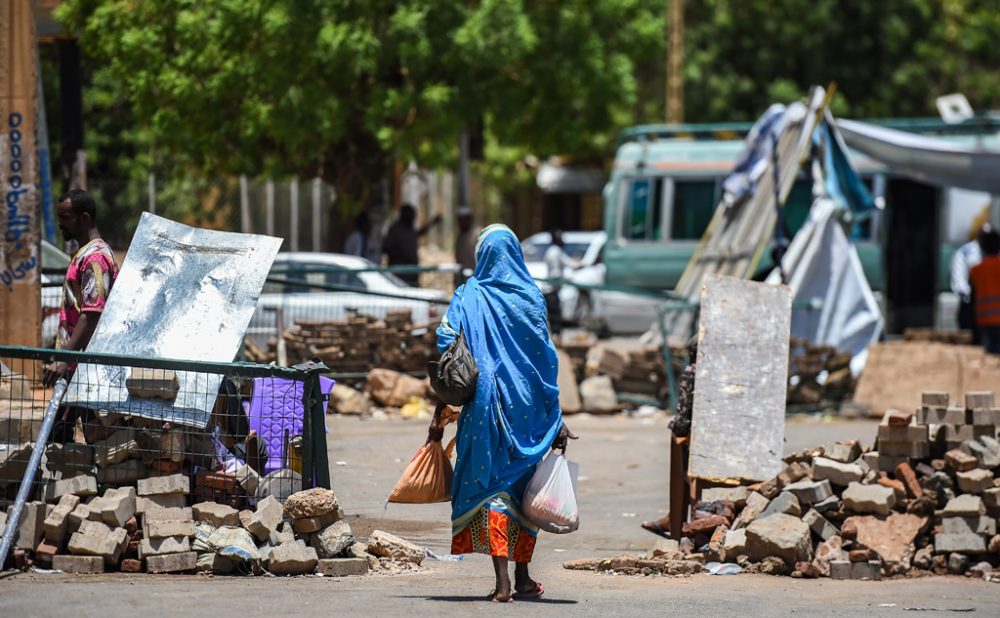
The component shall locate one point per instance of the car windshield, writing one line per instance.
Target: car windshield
(535, 251)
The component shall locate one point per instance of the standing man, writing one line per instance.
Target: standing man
(89, 278)
(968, 256)
(359, 242)
(465, 245)
(985, 280)
(402, 239)
(555, 261)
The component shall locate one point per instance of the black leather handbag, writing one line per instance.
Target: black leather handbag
(454, 376)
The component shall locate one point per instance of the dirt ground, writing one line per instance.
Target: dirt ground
(622, 482)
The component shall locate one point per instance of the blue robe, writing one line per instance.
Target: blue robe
(511, 422)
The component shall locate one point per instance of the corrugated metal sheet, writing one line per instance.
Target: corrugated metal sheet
(183, 293)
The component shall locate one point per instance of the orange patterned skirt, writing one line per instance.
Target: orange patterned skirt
(492, 530)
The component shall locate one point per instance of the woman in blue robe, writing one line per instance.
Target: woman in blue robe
(513, 419)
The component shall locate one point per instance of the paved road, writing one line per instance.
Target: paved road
(623, 471)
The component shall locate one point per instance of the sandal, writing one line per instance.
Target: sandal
(656, 528)
(493, 597)
(534, 593)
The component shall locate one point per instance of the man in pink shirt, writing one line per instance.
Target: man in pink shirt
(89, 278)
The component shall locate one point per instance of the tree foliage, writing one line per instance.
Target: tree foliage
(338, 88)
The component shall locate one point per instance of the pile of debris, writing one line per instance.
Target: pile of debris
(357, 343)
(150, 528)
(926, 501)
(818, 374)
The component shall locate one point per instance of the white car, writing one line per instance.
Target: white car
(603, 311)
(379, 293)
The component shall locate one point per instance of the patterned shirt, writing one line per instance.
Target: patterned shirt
(89, 278)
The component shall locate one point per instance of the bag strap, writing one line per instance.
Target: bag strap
(450, 448)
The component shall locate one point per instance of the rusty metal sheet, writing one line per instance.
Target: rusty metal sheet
(738, 420)
(182, 293)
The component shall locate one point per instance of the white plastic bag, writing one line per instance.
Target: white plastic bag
(550, 499)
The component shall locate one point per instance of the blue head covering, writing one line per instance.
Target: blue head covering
(513, 419)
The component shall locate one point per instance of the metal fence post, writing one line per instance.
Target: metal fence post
(315, 462)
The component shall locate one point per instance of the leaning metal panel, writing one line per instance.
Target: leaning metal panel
(183, 293)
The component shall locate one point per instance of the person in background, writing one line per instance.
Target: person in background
(968, 255)
(985, 280)
(514, 417)
(89, 278)
(402, 239)
(555, 261)
(465, 245)
(359, 242)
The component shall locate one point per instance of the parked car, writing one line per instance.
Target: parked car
(378, 293)
(602, 311)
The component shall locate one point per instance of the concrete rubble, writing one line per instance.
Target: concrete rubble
(925, 500)
(151, 528)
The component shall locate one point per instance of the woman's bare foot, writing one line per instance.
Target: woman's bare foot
(524, 586)
(502, 592)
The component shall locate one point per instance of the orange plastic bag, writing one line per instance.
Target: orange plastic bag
(428, 477)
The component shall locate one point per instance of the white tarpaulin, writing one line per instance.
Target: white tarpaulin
(822, 264)
(182, 293)
(925, 158)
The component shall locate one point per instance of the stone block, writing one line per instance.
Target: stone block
(80, 514)
(144, 504)
(308, 525)
(216, 514)
(820, 526)
(69, 456)
(128, 471)
(292, 559)
(935, 399)
(215, 563)
(912, 450)
(844, 452)
(172, 563)
(669, 549)
(153, 383)
(131, 565)
(957, 564)
(248, 479)
(266, 518)
(906, 433)
(282, 535)
(991, 498)
(82, 486)
(90, 541)
(116, 448)
(830, 504)
(78, 564)
(982, 525)
(981, 417)
(891, 539)
(734, 544)
(940, 416)
(168, 545)
(872, 569)
(987, 457)
(160, 485)
(44, 553)
(756, 503)
(895, 486)
(737, 495)
(836, 472)
(782, 536)
(974, 481)
(32, 526)
(840, 569)
(165, 529)
(117, 506)
(333, 541)
(57, 522)
(979, 400)
(310, 503)
(875, 499)
(962, 543)
(960, 461)
(385, 545)
(786, 503)
(342, 567)
(964, 505)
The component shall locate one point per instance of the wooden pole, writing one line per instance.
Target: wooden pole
(20, 224)
(675, 62)
(244, 206)
(317, 189)
(269, 205)
(293, 195)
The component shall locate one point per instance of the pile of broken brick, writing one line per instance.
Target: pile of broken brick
(150, 528)
(926, 502)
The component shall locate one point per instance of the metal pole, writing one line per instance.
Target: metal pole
(152, 193)
(14, 515)
(293, 195)
(244, 206)
(269, 205)
(317, 190)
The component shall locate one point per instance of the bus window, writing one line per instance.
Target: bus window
(694, 204)
(643, 209)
